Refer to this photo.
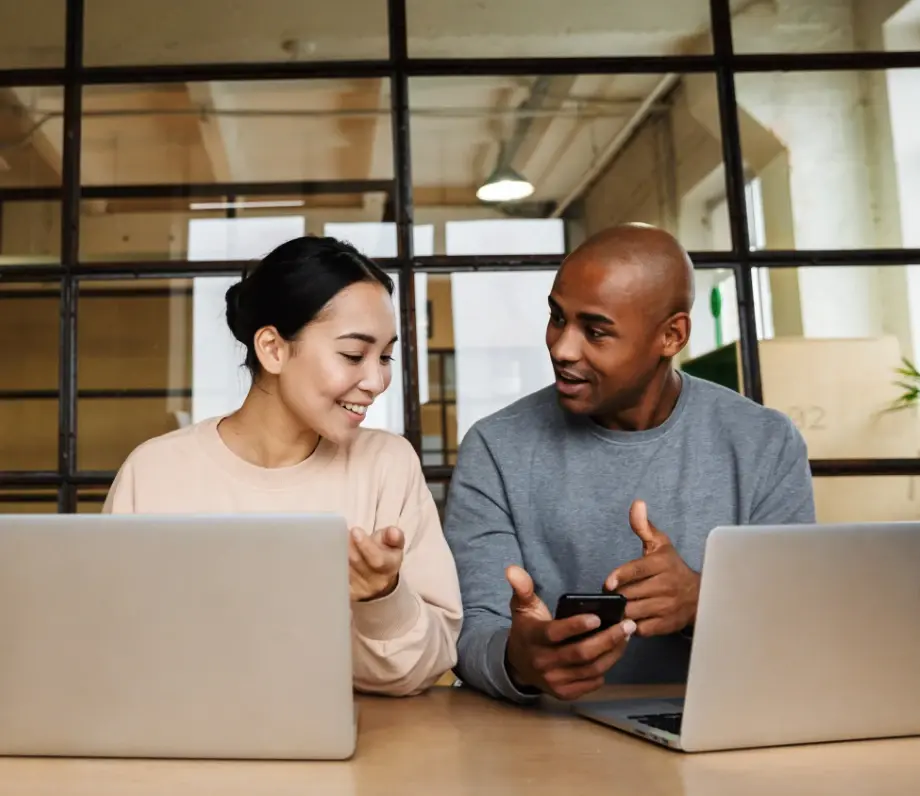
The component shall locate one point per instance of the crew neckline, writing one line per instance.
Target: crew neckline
(646, 435)
(254, 474)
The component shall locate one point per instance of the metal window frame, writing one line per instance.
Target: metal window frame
(399, 67)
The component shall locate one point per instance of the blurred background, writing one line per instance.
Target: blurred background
(149, 151)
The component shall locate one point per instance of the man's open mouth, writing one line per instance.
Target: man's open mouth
(569, 378)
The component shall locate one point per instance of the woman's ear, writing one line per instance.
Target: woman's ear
(271, 349)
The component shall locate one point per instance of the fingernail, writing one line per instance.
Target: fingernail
(357, 534)
(612, 584)
(629, 627)
(592, 622)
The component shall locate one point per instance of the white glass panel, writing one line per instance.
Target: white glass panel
(499, 317)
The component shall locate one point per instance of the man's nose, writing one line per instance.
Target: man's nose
(567, 347)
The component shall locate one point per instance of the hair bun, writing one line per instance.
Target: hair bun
(237, 318)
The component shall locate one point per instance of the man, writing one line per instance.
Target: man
(611, 479)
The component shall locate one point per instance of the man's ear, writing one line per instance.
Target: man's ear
(676, 334)
(271, 349)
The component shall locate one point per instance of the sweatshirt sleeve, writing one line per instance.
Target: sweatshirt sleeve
(404, 642)
(786, 493)
(482, 536)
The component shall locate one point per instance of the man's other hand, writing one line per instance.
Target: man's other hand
(662, 591)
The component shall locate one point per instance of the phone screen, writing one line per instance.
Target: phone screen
(609, 608)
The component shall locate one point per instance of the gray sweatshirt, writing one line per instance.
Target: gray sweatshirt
(549, 491)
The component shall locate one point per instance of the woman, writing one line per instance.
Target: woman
(318, 324)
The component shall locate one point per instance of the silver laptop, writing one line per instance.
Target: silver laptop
(804, 634)
(176, 636)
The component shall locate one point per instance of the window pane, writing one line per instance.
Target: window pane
(109, 428)
(711, 352)
(28, 501)
(489, 331)
(439, 412)
(547, 28)
(158, 230)
(210, 31)
(597, 150)
(835, 156)
(435, 375)
(133, 383)
(31, 34)
(439, 493)
(439, 433)
(29, 334)
(789, 26)
(270, 131)
(91, 500)
(833, 365)
(134, 366)
(30, 232)
(877, 498)
(31, 134)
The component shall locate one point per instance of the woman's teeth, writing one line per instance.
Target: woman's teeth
(358, 409)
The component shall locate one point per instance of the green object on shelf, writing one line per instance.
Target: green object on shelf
(715, 306)
(719, 366)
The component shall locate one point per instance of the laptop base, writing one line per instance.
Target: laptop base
(637, 717)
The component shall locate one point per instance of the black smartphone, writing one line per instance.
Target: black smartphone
(608, 607)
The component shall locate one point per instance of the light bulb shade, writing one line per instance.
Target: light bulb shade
(505, 185)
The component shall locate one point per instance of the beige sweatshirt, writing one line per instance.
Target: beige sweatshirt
(403, 642)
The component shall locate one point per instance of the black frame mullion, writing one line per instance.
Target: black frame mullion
(272, 70)
(767, 258)
(12, 478)
(720, 13)
(70, 256)
(434, 67)
(399, 68)
(403, 205)
(204, 190)
(130, 269)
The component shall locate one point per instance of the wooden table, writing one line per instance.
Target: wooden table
(452, 741)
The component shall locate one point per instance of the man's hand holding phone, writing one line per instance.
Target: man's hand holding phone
(541, 654)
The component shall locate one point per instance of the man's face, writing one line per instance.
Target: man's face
(606, 335)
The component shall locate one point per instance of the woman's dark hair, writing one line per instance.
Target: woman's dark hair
(292, 284)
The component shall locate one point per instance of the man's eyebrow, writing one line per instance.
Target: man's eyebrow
(584, 317)
(595, 317)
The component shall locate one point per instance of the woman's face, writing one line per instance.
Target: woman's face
(339, 363)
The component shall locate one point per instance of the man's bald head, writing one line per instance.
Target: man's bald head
(651, 260)
(619, 313)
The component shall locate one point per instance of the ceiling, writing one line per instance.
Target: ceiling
(332, 129)
(323, 130)
(178, 31)
(556, 127)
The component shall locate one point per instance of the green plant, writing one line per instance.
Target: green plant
(910, 383)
